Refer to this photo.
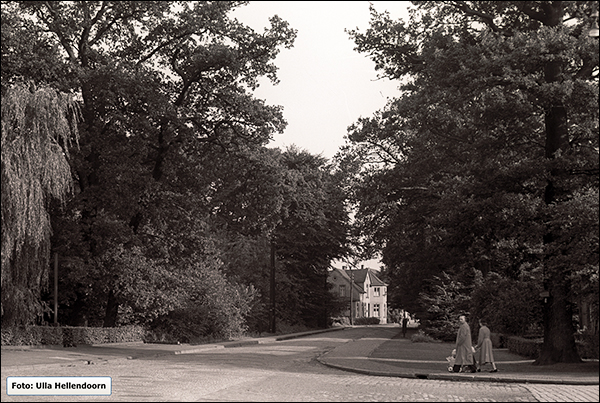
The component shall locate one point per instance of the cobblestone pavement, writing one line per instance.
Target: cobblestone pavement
(201, 378)
(563, 393)
(280, 371)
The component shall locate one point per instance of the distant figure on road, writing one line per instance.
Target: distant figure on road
(464, 347)
(404, 325)
(484, 345)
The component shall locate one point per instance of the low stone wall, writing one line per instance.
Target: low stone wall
(68, 336)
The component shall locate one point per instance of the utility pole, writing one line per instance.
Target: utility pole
(55, 288)
(351, 302)
(272, 284)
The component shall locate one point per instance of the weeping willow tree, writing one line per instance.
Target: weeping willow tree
(38, 126)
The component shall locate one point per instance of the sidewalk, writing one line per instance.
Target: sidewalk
(399, 357)
(384, 355)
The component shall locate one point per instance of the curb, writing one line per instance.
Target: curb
(470, 378)
(457, 378)
(296, 335)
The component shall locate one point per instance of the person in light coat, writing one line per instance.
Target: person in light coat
(484, 347)
(464, 347)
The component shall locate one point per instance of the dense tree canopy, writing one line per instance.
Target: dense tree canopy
(173, 185)
(488, 159)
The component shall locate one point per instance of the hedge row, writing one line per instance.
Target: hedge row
(70, 336)
(367, 321)
(525, 347)
(587, 346)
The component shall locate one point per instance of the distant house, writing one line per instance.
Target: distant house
(366, 293)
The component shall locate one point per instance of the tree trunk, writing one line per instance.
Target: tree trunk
(559, 339)
(559, 333)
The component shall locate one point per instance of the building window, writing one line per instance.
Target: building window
(376, 291)
(376, 310)
(342, 290)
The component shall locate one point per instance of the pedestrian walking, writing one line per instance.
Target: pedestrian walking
(484, 347)
(464, 347)
(404, 325)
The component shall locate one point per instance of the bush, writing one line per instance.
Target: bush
(32, 336)
(498, 340)
(73, 336)
(587, 345)
(215, 311)
(284, 327)
(421, 337)
(339, 321)
(443, 330)
(366, 321)
(70, 336)
(515, 309)
(395, 315)
(445, 298)
(525, 347)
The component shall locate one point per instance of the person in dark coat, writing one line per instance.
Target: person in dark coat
(404, 325)
(484, 347)
(464, 347)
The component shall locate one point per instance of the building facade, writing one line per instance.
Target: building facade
(366, 293)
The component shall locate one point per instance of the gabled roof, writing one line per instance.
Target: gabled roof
(375, 280)
(360, 276)
(345, 276)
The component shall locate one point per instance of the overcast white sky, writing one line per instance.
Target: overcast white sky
(325, 85)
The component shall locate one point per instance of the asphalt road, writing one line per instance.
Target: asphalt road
(280, 371)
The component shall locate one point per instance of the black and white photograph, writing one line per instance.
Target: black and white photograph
(300, 201)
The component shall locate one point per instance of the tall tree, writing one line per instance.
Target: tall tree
(38, 127)
(313, 231)
(166, 87)
(488, 149)
(301, 218)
